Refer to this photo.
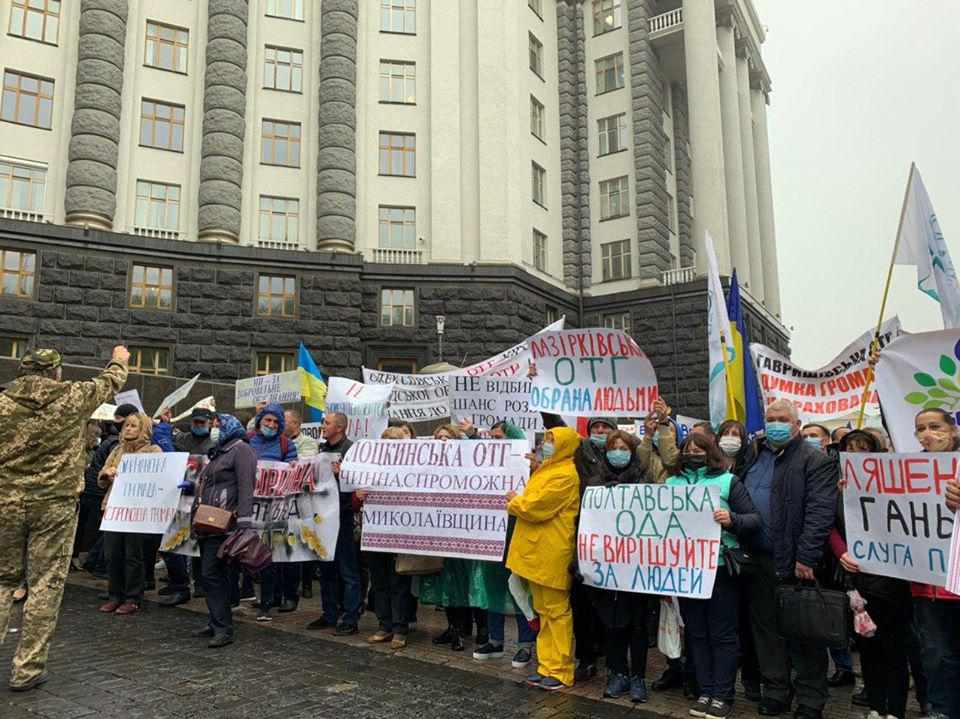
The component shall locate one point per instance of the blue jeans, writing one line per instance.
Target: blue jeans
(938, 624)
(345, 570)
(526, 637)
(842, 659)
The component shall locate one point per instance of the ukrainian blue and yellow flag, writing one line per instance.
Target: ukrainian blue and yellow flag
(747, 404)
(313, 385)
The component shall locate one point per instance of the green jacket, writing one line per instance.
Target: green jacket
(42, 432)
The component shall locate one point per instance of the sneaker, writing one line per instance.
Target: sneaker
(220, 640)
(128, 608)
(345, 630)
(638, 690)
(535, 679)
(109, 608)
(488, 651)
(521, 658)
(31, 683)
(380, 637)
(264, 616)
(701, 707)
(873, 714)
(399, 641)
(617, 686)
(249, 598)
(549, 684)
(719, 709)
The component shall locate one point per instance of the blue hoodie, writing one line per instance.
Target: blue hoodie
(272, 449)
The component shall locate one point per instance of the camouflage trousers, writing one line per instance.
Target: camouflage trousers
(39, 533)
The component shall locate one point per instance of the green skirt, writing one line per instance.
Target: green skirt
(469, 583)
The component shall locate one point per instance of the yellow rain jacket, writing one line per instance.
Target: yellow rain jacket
(544, 540)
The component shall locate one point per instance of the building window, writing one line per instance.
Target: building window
(19, 270)
(539, 250)
(618, 321)
(397, 365)
(398, 16)
(276, 296)
(398, 228)
(398, 82)
(280, 143)
(553, 314)
(614, 198)
(612, 131)
(151, 287)
(149, 360)
(161, 125)
(279, 220)
(35, 19)
(615, 260)
(537, 118)
(282, 69)
(22, 187)
(158, 206)
(166, 47)
(536, 6)
(398, 154)
(536, 56)
(289, 9)
(12, 347)
(27, 100)
(539, 176)
(607, 16)
(396, 308)
(609, 73)
(274, 362)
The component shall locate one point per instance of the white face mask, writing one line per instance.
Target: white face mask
(215, 434)
(730, 445)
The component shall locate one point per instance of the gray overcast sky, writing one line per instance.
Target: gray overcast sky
(860, 89)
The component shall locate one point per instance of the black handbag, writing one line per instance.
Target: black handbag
(811, 614)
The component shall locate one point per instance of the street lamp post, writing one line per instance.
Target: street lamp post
(440, 320)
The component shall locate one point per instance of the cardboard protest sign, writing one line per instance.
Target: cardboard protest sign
(178, 395)
(312, 429)
(650, 538)
(365, 406)
(831, 392)
(591, 373)
(144, 495)
(919, 371)
(177, 538)
(105, 412)
(488, 400)
(442, 499)
(130, 396)
(280, 388)
(897, 523)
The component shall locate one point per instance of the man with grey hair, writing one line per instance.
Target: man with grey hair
(794, 487)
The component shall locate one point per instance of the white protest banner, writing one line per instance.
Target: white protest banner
(105, 412)
(131, 396)
(591, 373)
(178, 395)
(511, 362)
(281, 388)
(178, 538)
(365, 406)
(312, 429)
(896, 520)
(685, 425)
(144, 495)
(442, 499)
(831, 392)
(488, 400)
(650, 538)
(919, 371)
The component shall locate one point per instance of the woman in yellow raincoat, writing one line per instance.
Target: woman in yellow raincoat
(542, 550)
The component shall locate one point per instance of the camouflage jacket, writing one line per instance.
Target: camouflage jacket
(42, 432)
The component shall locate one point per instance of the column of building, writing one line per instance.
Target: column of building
(91, 185)
(750, 177)
(337, 159)
(771, 278)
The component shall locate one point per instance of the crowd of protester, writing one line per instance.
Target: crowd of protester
(781, 522)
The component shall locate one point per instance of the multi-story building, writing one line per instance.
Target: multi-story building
(213, 180)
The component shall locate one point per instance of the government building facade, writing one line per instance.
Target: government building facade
(390, 181)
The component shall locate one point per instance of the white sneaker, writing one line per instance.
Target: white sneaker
(873, 715)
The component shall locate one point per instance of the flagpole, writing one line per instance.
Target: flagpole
(886, 291)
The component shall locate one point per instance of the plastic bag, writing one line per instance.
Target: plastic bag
(670, 633)
(521, 595)
(863, 623)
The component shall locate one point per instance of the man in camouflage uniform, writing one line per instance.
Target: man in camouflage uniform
(42, 423)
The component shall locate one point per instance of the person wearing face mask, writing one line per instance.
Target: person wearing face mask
(816, 435)
(794, 488)
(736, 446)
(623, 614)
(542, 549)
(711, 624)
(937, 611)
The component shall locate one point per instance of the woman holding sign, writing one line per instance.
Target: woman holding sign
(542, 550)
(711, 624)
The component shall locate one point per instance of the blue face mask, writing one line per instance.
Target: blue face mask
(814, 442)
(200, 431)
(268, 432)
(778, 432)
(618, 457)
(599, 440)
(547, 450)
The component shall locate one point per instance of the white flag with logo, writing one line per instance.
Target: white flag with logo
(920, 242)
(718, 324)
